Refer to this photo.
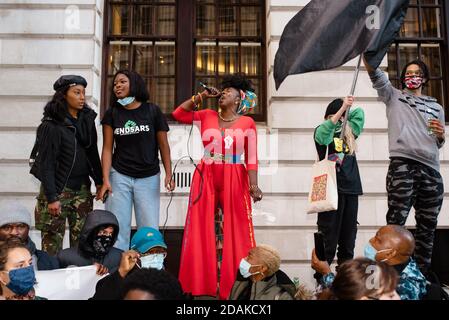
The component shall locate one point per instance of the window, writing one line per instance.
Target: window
(423, 35)
(141, 36)
(174, 44)
(228, 39)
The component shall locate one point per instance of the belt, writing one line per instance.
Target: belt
(223, 158)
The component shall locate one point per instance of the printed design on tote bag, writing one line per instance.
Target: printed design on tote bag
(319, 188)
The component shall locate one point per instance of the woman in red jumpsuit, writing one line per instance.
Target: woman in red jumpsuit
(222, 186)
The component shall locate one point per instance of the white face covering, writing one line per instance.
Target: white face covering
(155, 261)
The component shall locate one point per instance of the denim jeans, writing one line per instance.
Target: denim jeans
(144, 193)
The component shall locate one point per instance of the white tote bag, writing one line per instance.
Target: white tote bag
(323, 195)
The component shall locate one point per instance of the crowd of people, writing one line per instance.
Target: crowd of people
(219, 256)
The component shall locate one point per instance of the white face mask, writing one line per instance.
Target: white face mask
(244, 268)
(155, 261)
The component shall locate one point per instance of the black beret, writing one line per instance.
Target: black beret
(69, 80)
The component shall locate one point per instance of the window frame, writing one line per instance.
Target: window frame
(419, 41)
(185, 48)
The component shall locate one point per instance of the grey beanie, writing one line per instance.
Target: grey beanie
(14, 212)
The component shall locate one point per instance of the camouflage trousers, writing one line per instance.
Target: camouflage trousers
(419, 186)
(75, 206)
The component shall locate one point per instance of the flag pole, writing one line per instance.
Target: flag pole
(354, 83)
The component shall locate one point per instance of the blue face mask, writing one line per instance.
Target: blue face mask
(155, 261)
(126, 101)
(244, 268)
(22, 280)
(370, 252)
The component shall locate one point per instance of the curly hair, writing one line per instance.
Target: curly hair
(56, 108)
(237, 81)
(161, 284)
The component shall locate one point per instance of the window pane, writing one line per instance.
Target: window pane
(228, 59)
(154, 20)
(431, 56)
(251, 59)
(108, 91)
(437, 2)
(165, 59)
(205, 20)
(211, 82)
(407, 53)
(227, 21)
(120, 16)
(392, 62)
(205, 58)
(431, 19)
(165, 20)
(410, 28)
(250, 21)
(143, 20)
(118, 57)
(143, 55)
(162, 93)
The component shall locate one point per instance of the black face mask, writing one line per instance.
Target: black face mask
(102, 244)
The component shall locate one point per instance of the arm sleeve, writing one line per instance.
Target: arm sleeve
(324, 134)
(443, 121)
(107, 118)
(357, 121)
(327, 280)
(383, 86)
(186, 117)
(251, 159)
(48, 150)
(409, 289)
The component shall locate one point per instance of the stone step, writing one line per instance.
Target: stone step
(274, 177)
(274, 211)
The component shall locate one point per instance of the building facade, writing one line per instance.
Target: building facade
(176, 43)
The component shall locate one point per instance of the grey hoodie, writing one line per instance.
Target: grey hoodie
(407, 122)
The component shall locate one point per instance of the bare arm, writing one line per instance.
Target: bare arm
(164, 149)
(188, 105)
(347, 102)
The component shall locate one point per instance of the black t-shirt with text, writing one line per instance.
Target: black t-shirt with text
(136, 148)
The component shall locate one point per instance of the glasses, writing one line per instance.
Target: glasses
(11, 226)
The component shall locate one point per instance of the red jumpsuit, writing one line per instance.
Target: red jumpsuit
(225, 184)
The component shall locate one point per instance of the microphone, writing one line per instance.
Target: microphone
(209, 90)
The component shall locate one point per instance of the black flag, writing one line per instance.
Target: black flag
(326, 34)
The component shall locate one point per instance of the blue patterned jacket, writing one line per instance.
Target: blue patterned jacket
(412, 283)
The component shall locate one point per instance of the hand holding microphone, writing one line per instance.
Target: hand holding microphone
(210, 92)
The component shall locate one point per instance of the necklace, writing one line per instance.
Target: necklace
(226, 120)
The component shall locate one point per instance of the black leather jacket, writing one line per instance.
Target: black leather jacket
(57, 149)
